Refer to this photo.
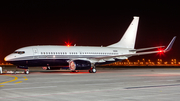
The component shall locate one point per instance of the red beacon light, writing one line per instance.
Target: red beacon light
(160, 51)
(68, 44)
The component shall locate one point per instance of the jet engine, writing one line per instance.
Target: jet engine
(79, 65)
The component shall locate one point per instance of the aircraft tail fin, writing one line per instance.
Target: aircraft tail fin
(129, 37)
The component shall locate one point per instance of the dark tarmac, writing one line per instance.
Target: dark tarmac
(108, 84)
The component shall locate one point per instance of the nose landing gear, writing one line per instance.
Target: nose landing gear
(92, 70)
(26, 71)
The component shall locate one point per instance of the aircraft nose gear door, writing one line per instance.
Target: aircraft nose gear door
(35, 53)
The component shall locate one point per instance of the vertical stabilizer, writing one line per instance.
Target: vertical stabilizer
(129, 37)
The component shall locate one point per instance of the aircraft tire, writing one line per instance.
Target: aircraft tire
(26, 71)
(94, 70)
(90, 71)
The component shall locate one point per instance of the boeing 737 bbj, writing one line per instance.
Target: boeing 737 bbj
(80, 57)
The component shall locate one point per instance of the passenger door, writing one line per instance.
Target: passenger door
(35, 53)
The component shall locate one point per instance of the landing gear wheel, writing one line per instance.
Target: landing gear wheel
(92, 70)
(26, 71)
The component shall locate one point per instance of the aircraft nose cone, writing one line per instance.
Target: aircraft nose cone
(7, 58)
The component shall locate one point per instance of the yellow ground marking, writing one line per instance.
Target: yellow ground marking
(25, 78)
(15, 78)
(18, 82)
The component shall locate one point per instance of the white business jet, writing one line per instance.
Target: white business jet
(80, 57)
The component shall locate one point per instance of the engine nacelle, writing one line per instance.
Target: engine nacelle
(22, 67)
(79, 65)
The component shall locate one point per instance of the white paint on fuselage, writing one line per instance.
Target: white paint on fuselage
(65, 52)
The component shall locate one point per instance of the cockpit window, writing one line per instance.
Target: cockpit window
(19, 52)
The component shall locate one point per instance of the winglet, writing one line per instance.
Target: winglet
(168, 48)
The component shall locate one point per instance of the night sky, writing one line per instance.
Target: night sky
(88, 23)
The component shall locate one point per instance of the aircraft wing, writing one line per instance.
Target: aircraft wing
(143, 49)
(168, 48)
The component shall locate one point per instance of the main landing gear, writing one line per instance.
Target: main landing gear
(26, 71)
(92, 70)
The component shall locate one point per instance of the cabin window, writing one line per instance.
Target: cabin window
(19, 52)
